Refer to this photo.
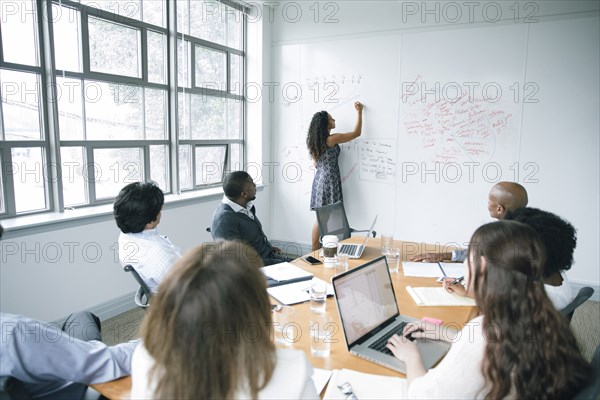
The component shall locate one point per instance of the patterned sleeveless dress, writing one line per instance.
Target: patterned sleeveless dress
(327, 185)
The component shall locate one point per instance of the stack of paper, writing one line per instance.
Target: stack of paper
(297, 292)
(365, 386)
(284, 273)
(320, 377)
(438, 296)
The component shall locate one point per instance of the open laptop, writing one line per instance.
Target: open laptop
(369, 313)
(353, 250)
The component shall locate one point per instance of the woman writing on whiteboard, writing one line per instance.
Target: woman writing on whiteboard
(520, 347)
(324, 149)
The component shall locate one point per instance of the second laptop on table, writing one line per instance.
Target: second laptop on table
(369, 313)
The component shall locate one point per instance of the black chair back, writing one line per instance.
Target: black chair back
(592, 390)
(143, 295)
(12, 389)
(584, 294)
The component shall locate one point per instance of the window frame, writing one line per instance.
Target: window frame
(49, 115)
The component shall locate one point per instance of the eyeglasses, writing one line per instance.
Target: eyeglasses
(346, 389)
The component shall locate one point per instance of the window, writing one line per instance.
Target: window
(79, 124)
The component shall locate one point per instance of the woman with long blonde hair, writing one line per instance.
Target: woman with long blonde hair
(207, 333)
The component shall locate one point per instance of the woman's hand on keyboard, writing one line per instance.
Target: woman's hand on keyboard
(403, 348)
(427, 330)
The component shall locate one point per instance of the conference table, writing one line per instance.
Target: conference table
(339, 357)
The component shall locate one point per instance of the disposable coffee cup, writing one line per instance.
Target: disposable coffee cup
(330, 245)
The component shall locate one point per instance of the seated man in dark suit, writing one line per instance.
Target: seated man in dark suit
(235, 218)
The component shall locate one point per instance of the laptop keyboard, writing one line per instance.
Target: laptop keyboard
(380, 344)
(350, 249)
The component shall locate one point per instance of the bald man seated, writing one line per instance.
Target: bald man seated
(503, 197)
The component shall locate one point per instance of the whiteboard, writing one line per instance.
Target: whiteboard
(515, 102)
(459, 127)
(331, 76)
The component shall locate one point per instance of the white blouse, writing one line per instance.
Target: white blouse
(459, 375)
(561, 295)
(291, 378)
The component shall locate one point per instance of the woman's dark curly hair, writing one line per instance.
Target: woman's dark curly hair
(317, 135)
(558, 236)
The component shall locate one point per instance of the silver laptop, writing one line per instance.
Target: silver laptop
(369, 313)
(353, 250)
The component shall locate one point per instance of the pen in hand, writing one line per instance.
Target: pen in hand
(457, 280)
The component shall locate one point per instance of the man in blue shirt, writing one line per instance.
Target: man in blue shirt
(55, 363)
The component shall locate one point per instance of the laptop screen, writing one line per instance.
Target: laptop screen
(370, 231)
(365, 298)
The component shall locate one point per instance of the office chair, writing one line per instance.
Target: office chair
(592, 390)
(332, 220)
(143, 294)
(584, 294)
(12, 389)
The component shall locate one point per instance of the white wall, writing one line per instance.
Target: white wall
(50, 274)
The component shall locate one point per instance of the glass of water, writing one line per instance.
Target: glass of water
(318, 297)
(321, 331)
(392, 256)
(342, 264)
(283, 325)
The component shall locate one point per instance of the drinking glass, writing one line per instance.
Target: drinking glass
(392, 256)
(283, 325)
(387, 242)
(318, 297)
(321, 330)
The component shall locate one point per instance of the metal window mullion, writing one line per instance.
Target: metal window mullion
(226, 162)
(144, 53)
(146, 176)
(85, 41)
(192, 65)
(143, 113)
(212, 45)
(83, 110)
(227, 72)
(8, 181)
(50, 108)
(212, 92)
(91, 174)
(210, 142)
(236, 5)
(193, 162)
(2, 132)
(244, 73)
(113, 17)
(111, 144)
(1, 47)
(172, 93)
(20, 67)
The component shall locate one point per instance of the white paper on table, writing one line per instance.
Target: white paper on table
(423, 269)
(297, 292)
(365, 386)
(284, 271)
(438, 296)
(320, 377)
